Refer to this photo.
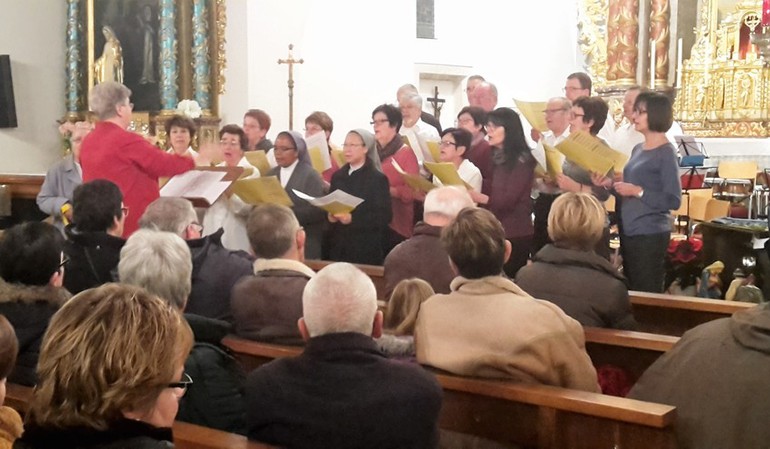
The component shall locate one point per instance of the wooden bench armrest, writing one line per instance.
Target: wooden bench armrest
(687, 302)
(630, 339)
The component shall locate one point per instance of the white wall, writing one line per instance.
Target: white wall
(32, 32)
(357, 53)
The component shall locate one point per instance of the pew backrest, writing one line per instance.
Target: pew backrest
(632, 351)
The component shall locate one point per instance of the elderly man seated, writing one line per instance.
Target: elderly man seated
(423, 256)
(342, 392)
(488, 326)
(267, 305)
(160, 263)
(216, 269)
(94, 239)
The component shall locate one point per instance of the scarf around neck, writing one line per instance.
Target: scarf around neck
(391, 148)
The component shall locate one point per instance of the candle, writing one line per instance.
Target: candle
(679, 62)
(652, 63)
(765, 13)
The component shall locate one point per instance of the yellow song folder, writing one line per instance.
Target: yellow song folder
(264, 190)
(553, 161)
(534, 112)
(258, 159)
(446, 173)
(591, 154)
(416, 182)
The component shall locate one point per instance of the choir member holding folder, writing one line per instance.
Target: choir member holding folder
(454, 144)
(230, 212)
(294, 171)
(357, 237)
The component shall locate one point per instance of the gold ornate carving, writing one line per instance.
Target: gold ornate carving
(221, 61)
(592, 38)
(622, 37)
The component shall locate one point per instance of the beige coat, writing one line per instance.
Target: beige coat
(490, 327)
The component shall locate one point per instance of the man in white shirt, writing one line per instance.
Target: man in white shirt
(417, 131)
(557, 117)
(626, 137)
(578, 85)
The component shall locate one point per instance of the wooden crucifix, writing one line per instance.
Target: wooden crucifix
(291, 61)
(436, 102)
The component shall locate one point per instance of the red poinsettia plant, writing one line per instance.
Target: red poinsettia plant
(684, 262)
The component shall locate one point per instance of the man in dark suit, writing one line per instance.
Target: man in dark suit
(342, 392)
(295, 172)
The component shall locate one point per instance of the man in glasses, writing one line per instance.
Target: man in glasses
(578, 85)
(94, 239)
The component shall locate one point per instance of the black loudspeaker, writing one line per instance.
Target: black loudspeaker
(7, 103)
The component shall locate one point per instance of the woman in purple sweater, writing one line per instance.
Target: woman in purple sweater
(650, 189)
(509, 194)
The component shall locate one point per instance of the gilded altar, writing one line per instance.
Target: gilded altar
(722, 89)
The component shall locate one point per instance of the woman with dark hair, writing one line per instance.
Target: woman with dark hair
(473, 118)
(32, 272)
(358, 237)
(649, 189)
(387, 121)
(509, 196)
(230, 212)
(180, 131)
(589, 115)
(453, 148)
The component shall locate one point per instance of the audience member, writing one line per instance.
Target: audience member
(360, 236)
(422, 255)
(387, 120)
(416, 131)
(215, 269)
(160, 263)
(590, 289)
(650, 189)
(488, 326)
(295, 172)
(426, 117)
(10, 421)
(316, 122)
(480, 152)
(94, 238)
(470, 85)
(180, 131)
(716, 377)
(229, 212)
(545, 190)
(55, 196)
(111, 373)
(267, 305)
(342, 392)
(397, 339)
(484, 95)
(579, 84)
(125, 158)
(509, 195)
(31, 273)
(454, 144)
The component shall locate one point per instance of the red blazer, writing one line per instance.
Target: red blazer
(403, 199)
(125, 158)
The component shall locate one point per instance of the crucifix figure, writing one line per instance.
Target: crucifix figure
(291, 61)
(436, 102)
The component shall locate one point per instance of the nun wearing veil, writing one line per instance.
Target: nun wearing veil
(357, 237)
(295, 172)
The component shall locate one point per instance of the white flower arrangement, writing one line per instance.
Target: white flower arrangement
(190, 108)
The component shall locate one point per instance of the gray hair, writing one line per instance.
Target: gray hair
(406, 89)
(106, 97)
(160, 262)
(339, 298)
(564, 103)
(272, 230)
(169, 215)
(414, 98)
(446, 201)
(491, 86)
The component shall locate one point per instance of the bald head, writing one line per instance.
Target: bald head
(484, 96)
(444, 203)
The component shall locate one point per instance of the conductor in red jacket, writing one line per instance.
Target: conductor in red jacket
(125, 158)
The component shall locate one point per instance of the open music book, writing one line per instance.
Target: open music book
(591, 154)
(201, 186)
(264, 190)
(534, 112)
(416, 182)
(337, 202)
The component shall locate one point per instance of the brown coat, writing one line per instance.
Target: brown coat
(489, 327)
(10, 427)
(266, 306)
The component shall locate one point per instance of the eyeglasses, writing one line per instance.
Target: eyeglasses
(283, 149)
(570, 88)
(491, 126)
(124, 210)
(447, 144)
(64, 261)
(352, 145)
(197, 227)
(183, 384)
(573, 115)
(463, 121)
(232, 143)
(379, 122)
(640, 111)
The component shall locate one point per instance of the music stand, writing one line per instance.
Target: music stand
(692, 155)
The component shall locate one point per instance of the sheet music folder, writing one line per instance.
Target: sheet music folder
(692, 153)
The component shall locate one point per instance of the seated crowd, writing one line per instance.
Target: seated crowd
(140, 343)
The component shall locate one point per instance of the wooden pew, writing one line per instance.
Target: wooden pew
(526, 415)
(186, 435)
(674, 315)
(656, 313)
(632, 351)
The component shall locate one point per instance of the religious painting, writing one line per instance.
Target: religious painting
(123, 45)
